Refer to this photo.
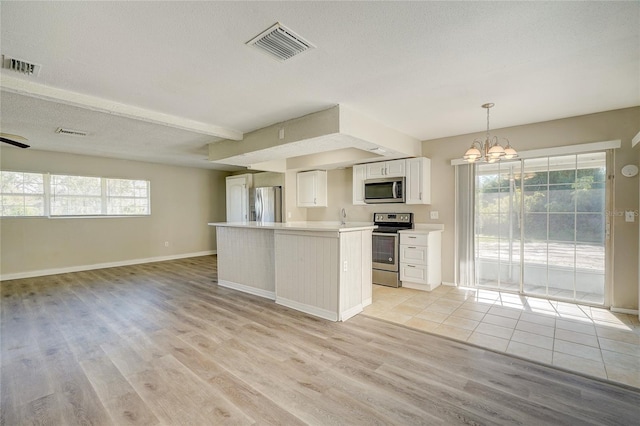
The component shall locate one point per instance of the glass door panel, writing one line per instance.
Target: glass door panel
(498, 225)
(557, 206)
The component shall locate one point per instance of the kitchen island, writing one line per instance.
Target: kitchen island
(320, 268)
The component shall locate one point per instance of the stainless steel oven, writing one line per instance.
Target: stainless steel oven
(385, 258)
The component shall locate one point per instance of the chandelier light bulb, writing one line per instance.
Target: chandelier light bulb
(472, 154)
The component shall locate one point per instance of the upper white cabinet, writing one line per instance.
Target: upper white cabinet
(359, 175)
(237, 195)
(418, 181)
(394, 168)
(416, 171)
(312, 189)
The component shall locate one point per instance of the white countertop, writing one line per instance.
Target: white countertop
(300, 226)
(425, 228)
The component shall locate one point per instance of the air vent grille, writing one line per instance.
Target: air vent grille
(62, 131)
(18, 65)
(280, 42)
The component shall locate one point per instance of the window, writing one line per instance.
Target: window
(76, 195)
(38, 194)
(126, 197)
(22, 194)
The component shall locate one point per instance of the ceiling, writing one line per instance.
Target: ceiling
(159, 81)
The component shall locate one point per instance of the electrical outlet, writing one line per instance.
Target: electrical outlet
(288, 215)
(629, 216)
(281, 133)
(166, 243)
(344, 266)
(434, 215)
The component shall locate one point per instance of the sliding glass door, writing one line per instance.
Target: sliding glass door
(540, 226)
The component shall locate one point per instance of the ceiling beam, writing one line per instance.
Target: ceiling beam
(48, 93)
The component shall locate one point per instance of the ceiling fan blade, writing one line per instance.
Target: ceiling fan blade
(14, 143)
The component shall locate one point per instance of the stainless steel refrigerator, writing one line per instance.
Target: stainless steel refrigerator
(267, 204)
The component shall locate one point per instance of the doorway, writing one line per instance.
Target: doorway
(540, 227)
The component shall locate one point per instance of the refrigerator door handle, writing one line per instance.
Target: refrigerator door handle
(259, 206)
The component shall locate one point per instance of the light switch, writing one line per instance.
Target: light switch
(629, 216)
(434, 214)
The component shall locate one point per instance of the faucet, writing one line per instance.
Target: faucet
(343, 217)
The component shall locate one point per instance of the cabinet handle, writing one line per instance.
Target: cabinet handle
(411, 266)
(314, 201)
(413, 237)
(420, 196)
(411, 247)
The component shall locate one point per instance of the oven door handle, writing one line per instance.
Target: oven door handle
(394, 190)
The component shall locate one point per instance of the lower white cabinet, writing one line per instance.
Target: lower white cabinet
(312, 189)
(420, 259)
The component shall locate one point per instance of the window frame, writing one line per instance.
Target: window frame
(104, 198)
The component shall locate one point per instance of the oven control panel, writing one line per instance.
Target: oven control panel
(393, 217)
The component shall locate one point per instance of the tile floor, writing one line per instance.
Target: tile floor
(581, 338)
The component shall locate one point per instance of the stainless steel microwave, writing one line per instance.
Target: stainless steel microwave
(385, 190)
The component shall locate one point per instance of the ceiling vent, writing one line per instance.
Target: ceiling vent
(18, 65)
(280, 42)
(62, 131)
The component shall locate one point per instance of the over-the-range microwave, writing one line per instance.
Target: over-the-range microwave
(384, 190)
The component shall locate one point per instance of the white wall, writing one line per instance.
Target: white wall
(183, 201)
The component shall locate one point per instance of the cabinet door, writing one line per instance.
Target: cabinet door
(312, 189)
(418, 185)
(237, 199)
(359, 175)
(375, 170)
(306, 189)
(395, 168)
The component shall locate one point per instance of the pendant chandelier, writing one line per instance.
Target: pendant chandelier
(489, 150)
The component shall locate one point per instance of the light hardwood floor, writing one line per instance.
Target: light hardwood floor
(161, 343)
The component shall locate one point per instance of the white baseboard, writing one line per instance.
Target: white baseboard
(367, 302)
(416, 286)
(80, 268)
(449, 284)
(351, 312)
(624, 311)
(271, 295)
(308, 309)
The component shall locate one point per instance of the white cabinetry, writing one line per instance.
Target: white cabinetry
(416, 171)
(418, 182)
(394, 168)
(312, 189)
(420, 259)
(359, 175)
(237, 195)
